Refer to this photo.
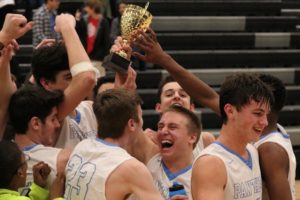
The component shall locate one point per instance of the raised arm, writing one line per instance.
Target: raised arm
(6, 87)
(14, 27)
(274, 165)
(196, 88)
(208, 178)
(83, 73)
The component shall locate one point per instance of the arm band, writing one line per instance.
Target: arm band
(84, 67)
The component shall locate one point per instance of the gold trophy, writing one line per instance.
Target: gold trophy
(133, 19)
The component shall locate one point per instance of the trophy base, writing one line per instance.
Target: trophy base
(116, 62)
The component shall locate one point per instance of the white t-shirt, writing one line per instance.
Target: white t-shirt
(90, 164)
(243, 176)
(281, 138)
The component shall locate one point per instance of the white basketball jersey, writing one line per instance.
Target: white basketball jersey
(37, 153)
(87, 121)
(281, 138)
(164, 179)
(90, 164)
(243, 176)
(83, 126)
(199, 147)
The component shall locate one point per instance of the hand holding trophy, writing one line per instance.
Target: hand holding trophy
(133, 19)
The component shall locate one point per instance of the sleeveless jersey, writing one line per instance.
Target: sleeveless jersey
(90, 164)
(165, 179)
(199, 147)
(37, 153)
(243, 176)
(281, 138)
(83, 126)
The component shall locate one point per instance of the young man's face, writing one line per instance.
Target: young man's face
(172, 93)
(50, 129)
(63, 79)
(251, 120)
(174, 137)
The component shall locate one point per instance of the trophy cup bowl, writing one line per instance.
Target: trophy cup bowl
(133, 19)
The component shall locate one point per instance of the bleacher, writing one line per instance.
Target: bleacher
(214, 38)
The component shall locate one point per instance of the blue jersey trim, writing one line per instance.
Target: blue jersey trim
(247, 162)
(28, 148)
(171, 175)
(106, 143)
(77, 117)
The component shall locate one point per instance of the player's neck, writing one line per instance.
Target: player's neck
(233, 141)
(177, 164)
(114, 141)
(23, 140)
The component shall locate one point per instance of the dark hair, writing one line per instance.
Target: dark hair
(48, 61)
(95, 5)
(240, 88)
(113, 108)
(166, 80)
(31, 101)
(194, 125)
(10, 156)
(278, 89)
(102, 80)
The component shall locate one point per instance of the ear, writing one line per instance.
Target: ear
(192, 107)
(20, 172)
(193, 138)
(34, 123)
(229, 110)
(131, 124)
(45, 83)
(158, 107)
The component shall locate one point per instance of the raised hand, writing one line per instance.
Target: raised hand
(63, 22)
(126, 81)
(120, 45)
(147, 41)
(14, 26)
(40, 174)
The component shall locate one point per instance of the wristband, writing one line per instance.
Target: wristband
(84, 67)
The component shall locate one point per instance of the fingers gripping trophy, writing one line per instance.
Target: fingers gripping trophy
(133, 19)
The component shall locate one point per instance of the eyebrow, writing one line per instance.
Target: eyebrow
(259, 109)
(171, 90)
